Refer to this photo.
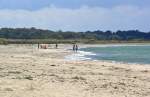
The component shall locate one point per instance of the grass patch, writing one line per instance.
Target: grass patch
(78, 78)
(28, 77)
(14, 72)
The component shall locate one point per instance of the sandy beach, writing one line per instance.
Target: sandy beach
(26, 71)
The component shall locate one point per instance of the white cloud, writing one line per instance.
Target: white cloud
(81, 19)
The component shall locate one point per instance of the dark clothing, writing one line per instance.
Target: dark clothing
(75, 48)
(38, 45)
(56, 46)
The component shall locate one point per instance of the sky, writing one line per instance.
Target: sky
(76, 15)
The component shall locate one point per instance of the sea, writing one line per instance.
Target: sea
(123, 53)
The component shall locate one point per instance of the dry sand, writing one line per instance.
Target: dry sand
(26, 71)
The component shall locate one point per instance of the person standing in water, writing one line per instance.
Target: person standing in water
(56, 45)
(76, 48)
(73, 48)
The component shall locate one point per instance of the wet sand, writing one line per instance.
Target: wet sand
(26, 71)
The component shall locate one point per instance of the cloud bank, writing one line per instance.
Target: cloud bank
(81, 19)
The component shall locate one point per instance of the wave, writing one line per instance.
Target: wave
(80, 55)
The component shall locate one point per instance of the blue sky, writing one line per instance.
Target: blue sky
(76, 15)
(38, 4)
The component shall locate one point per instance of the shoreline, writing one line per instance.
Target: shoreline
(84, 55)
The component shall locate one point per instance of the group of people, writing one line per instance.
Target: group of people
(75, 47)
(45, 46)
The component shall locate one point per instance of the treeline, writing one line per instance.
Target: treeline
(33, 33)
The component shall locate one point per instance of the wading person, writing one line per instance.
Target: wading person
(73, 48)
(76, 48)
(56, 45)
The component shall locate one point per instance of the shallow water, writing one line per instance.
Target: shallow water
(120, 53)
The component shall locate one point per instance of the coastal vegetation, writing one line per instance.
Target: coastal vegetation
(33, 35)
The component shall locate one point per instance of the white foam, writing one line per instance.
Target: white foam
(80, 55)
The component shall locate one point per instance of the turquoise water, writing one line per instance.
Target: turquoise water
(121, 53)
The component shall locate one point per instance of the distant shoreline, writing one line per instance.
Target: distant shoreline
(67, 41)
